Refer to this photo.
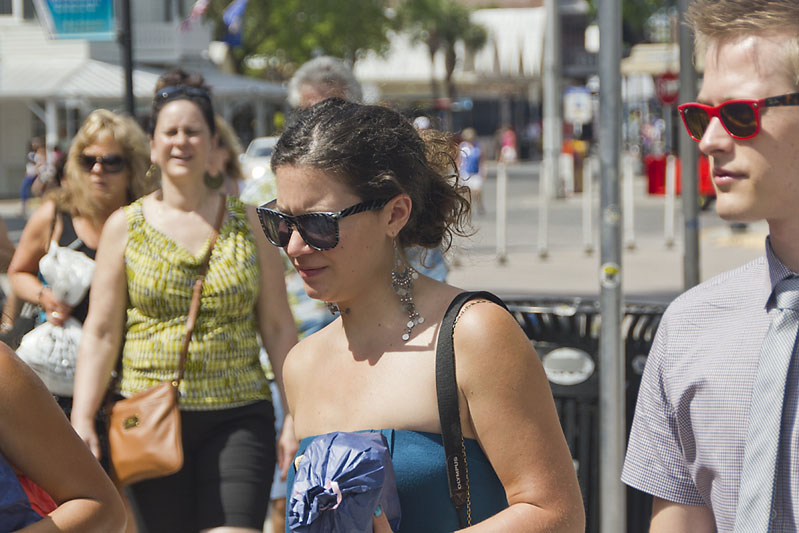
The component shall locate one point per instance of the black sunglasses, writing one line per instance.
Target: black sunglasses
(740, 118)
(181, 91)
(319, 230)
(112, 163)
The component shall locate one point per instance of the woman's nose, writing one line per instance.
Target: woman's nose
(297, 245)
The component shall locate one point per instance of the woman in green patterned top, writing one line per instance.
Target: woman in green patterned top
(149, 256)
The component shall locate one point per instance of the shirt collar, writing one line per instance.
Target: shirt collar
(777, 271)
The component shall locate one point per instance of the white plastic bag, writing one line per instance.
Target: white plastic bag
(67, 272)
(51, 351)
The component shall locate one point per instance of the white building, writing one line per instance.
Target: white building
(48, 86)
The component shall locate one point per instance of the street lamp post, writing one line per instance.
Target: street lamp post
(611, 348)
(126, 45)
(689, 157)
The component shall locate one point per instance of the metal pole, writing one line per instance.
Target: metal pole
(671, 191)
(126, 45)
(628, 200)
(502, 213)
(612, 502)
(553, 121)
(689, 157)
(543, 209)
(588, 204)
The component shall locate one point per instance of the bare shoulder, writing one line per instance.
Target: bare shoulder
(115, 231)
(481, 320)
(301, 357)
(483, 331)
(301, 360)
(41, 220)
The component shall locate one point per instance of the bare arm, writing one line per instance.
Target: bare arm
(513, 415)
(22, 272)
(276, 326)
(669, 516)
(38, 441)
(6, 247)
(102, 330)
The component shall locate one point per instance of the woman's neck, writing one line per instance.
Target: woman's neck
(185, 196)
(376, 320)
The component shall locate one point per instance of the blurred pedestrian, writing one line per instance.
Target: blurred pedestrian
(471, 167)
(714, 438)
(508, 152)
(37, 441)
(105, 169)
(320, 78)
(35, 161)
(356, 186)
(227, 165)
(12, 303)
(150, 254)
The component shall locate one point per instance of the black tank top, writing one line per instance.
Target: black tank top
(69, 239)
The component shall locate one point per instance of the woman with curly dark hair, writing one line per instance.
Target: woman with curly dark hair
(356, 186)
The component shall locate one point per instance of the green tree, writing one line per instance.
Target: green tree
(289, 32)
(634, 16)
(440, 25)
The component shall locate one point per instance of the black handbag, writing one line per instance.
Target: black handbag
(448, 411)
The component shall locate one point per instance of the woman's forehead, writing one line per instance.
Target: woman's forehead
(303, 188)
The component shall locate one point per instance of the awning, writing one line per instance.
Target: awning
(652, 58)
(98, 80)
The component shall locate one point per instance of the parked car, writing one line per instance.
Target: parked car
(255, 160)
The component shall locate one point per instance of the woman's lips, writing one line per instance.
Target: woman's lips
(309, 272)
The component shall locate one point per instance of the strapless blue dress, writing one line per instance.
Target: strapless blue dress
(418, 460)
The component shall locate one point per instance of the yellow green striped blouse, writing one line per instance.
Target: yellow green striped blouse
(222, 368)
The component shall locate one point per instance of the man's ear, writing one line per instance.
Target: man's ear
(399, 211)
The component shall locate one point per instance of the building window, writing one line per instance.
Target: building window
(5, 7)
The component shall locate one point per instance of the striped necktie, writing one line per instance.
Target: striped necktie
(756, 495)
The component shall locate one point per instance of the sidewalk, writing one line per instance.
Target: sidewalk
(650, 272)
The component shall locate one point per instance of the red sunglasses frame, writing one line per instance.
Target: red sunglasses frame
(790, 99)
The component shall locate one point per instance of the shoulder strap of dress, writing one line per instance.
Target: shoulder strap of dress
(448, 411)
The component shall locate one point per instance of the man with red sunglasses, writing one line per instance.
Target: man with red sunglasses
(700, 442)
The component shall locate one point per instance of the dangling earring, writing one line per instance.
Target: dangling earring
(402, 282)
(332, 307)
(152, 172)
(213, 182)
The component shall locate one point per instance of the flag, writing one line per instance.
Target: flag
(234, 16)
(197, 11)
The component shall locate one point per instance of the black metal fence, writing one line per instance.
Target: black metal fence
(565, 334)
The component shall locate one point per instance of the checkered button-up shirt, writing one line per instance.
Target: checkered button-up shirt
(687, 439)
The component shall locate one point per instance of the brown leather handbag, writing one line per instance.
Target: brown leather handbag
(144, 431)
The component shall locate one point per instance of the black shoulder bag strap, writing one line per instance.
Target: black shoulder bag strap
(448, 411)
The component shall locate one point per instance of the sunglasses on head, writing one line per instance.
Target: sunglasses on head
(740, 118)
(181, 91)
(319, 230)
(112, 163)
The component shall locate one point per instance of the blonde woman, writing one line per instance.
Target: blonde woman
(105, 169)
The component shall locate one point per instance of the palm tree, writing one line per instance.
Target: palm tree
(440, 25)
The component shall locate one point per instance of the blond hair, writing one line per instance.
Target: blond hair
(229, 141)
(728, 20)
(74, 197)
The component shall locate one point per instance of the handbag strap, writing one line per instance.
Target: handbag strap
(448, 411)
(194, 308)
